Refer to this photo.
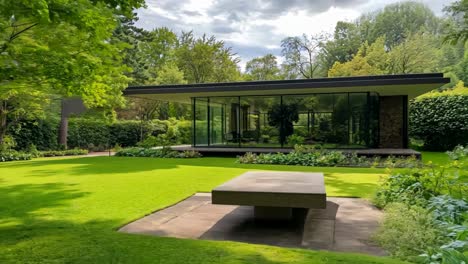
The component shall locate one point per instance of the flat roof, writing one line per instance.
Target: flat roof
(402, 84)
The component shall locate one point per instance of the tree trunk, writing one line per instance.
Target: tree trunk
(3, 120)
(63, 130)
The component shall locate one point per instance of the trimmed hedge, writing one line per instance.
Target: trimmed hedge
(41, 133)
(97, 135)
(440, 121)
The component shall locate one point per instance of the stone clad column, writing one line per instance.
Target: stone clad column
(393, 118)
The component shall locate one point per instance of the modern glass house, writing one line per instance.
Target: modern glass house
(366, 112)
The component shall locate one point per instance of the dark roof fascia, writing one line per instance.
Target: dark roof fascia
(379, 80)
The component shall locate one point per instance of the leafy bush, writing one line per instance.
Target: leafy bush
(41, 133)
(295, 140)
(441, 121)
(310, 156)
(159, 141)
(447, 209)
(156, 153)
(417, 186)
(88, 134)
(408, 231)
(12, 155)
(189, 154)
(8, 143)
(98, 135)
(437, 190)
(58, 153)
(458, 153)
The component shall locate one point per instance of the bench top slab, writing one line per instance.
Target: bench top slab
(275, 182)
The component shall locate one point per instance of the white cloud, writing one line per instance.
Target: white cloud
(256, 27)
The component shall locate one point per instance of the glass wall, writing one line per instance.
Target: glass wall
(224, 123)
(200, 121)
(340, 120)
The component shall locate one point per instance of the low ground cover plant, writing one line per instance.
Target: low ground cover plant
(68, 152)
(426, 212)
(157, 153)
(309, 156)
(12, 155)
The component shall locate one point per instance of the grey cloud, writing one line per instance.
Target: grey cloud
(191, 13)
(248, 52)
(223, 28)
(250, 9)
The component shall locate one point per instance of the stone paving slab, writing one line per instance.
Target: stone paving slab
(345, 225)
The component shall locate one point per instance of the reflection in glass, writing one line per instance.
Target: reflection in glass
(340, 120)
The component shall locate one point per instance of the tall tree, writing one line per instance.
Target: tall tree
(369, 60)
(301, 54)
(52, 48)
(416, 54)
(146, 51)
(345, 43)
(262, 68)
(400, 20)
(206, 59)
(459, 30)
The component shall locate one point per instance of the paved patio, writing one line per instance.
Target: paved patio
(346, 225)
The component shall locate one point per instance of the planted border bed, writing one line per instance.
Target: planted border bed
(307, 156)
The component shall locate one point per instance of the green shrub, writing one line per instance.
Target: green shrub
(408, 231)
(156, 153)
(419, 185)
(12, 155)
(41, 133)
(440, 121)
(58, 153)
(8, 143)
(189, 154)
(438, 191)
(88, 134)
(295, 140)
(98, 135)
(447, 209)
(310, 156)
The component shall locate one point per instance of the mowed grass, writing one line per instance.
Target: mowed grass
(67, 210)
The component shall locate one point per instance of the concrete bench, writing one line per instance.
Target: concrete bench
(273, 193)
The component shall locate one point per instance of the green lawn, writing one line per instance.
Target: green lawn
(67, 210)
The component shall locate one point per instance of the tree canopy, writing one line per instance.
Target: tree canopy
(52, 49)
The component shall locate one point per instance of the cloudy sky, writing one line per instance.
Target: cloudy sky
(256, 27)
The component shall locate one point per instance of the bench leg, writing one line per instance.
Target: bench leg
(273, 213)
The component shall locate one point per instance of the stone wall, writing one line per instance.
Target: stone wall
(393, 128)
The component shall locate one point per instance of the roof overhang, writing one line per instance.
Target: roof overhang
(411, 85)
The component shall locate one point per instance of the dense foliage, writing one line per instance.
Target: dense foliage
(440, 119)
(306, 156)
(53, 49)
(426, 209)
(101, 135)
(97, 135)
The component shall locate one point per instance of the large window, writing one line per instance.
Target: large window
(341, 120)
